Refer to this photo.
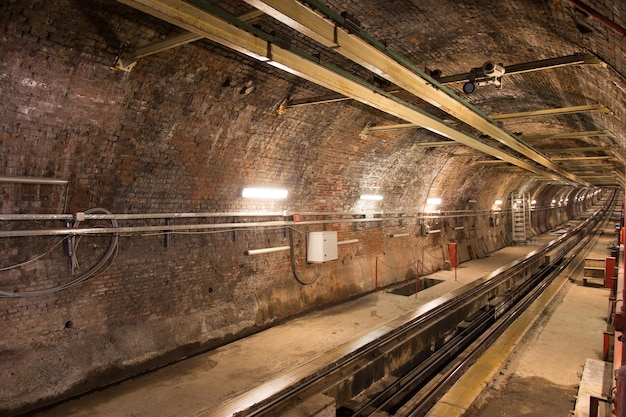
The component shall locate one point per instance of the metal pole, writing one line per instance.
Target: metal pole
(33, 180)
(376, 275)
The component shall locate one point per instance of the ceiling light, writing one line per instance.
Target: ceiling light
(498, 202)
(374, 197)
(270, 193)
(433, 201)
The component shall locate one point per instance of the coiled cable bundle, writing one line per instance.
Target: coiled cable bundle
(103, 263)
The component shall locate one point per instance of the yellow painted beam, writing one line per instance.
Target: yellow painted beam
(312, 24)
(569, 135)
(201, 22)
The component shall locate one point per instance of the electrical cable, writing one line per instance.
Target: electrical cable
(206, 232)
(293, 263)
(95, 269)
(46, 252)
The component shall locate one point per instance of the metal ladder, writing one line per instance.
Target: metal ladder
(520, 212)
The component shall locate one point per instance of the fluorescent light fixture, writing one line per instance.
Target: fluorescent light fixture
(433, 201)
(533, 202)
(274, 193)
(498, 202)
(373, 197)
(266, 250)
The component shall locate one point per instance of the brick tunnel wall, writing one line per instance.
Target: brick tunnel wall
(183, 132)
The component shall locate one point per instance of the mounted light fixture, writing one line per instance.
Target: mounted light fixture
(267, 193)
(371, 197)
(432, 205)
(498, 202)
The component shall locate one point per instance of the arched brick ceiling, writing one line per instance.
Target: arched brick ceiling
(208, 118)
(454, 38)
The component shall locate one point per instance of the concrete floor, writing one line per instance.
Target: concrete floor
(208, 380)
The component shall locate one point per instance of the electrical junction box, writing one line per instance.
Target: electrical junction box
(322, 247)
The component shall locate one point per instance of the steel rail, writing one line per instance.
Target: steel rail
(284, 391)
(425, 398)
(417, 379)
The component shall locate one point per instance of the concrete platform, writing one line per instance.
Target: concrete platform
(201, 383)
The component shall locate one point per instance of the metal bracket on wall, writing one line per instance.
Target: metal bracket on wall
(127, 58)
(167, 236)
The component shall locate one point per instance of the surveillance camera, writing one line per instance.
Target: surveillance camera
(493, 70)
(469, 87)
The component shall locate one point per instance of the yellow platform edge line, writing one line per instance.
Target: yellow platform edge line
(469, 387)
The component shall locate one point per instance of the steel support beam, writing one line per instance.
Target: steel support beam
(329, 98)
(127, 63)
(595, 108)
(488, 162)
(547, 151)
(598, 108)
(570, 135)
(399, 72)
(579, 149)
(584, 158)
(437, 144)
(592, 167)
(228, 31)
(124, 63)
(543, 64)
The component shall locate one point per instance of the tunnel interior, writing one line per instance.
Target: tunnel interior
(132, 133)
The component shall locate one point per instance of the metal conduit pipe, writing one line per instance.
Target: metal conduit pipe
(137, 216)
(182, 228)
(145, 216)
(599, 17)
(32, 180)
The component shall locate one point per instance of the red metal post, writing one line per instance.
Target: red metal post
(606, 346)
(609, 272)
(453, 257)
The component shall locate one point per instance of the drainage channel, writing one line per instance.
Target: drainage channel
(415, 286)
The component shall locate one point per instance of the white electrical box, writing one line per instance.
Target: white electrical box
(322, 247)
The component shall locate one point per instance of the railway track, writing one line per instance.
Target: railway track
(423, 353)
